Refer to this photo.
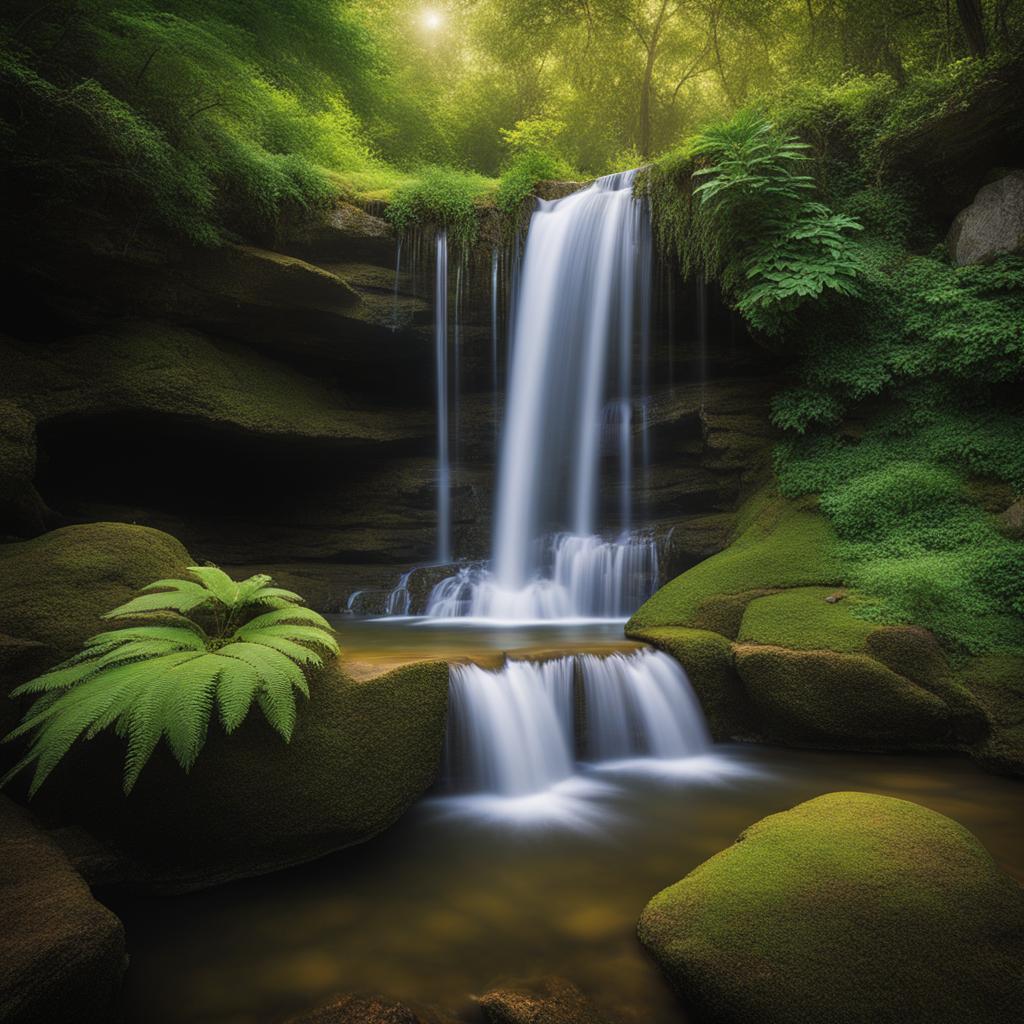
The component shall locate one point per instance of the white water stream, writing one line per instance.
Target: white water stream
(516, 730)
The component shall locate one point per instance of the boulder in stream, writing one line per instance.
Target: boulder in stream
(847, 908)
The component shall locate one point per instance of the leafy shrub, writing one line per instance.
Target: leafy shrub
(876, 503)
(439, 198)
(195, 645)
(752, 222)
(521, 175)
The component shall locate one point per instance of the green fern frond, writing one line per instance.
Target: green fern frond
(152, 680)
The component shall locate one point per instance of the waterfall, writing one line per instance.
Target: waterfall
(444, 498)
(637, 705)
(514, 730)
(581, 577)
(509, 730)
(580, 300)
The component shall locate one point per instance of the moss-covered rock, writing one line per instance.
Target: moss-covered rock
(996, 682)
(915, 653)
(63, 952)
(55, 588)
(710, 667)
(846, 909)
(780, 544)
(361, 753)
(141, 367)
(803, 618)
(21, 509)
(830, 699)
(548, 1001)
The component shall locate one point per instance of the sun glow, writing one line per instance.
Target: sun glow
(432, 20)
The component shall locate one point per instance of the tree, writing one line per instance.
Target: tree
(973, 21)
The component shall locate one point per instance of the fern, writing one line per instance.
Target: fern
(757, 227)
(196, 645)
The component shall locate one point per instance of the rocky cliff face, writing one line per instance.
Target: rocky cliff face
(273, 405)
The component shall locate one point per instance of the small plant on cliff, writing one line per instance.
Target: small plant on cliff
(195, 645)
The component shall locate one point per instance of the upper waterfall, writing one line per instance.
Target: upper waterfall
(577, 300)
(579, 326)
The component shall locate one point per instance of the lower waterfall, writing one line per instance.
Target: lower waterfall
(521, 728)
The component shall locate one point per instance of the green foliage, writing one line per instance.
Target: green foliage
(521, 175)
(439, 198)
(196, 119)
(749, 220)
(801, 619)
(195, 646)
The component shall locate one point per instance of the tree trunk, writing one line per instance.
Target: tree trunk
(972, 20)
(644, 141)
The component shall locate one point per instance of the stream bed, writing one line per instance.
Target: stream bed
(471, 890)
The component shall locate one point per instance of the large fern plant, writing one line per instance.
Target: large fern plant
(193, 646)
(759, 228)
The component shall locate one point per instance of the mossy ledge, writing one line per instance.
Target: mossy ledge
(777, 653)
(848, 908)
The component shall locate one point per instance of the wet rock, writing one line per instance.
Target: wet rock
(992, 225)
(63, 953)
(549, 1001)
(848, 908)
(353, 1009)
(22, 511)
(341, 229)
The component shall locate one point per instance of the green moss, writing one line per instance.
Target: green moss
(848, 908)
(156, 368)
(361, 753)
(783, 544)
(997, 683)
(708, 660)
(916, 654)
(53, 589)
(723, 613)
(802, 619)
(821, 698)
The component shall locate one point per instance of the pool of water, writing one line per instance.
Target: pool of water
(371, 645)
(467, 892)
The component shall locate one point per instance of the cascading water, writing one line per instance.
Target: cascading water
(444, 498)
(583, 286)
(514, 731)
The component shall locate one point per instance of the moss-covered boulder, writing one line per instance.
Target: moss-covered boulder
(803, 668)
(805, 619)
(361, 753)
(996, 682)
(824, 698)
(21, 509)
(63, 952)
(846, 909)
(55, 588)
(779, 544)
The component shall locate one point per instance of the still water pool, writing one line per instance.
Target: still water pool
(469, 891)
